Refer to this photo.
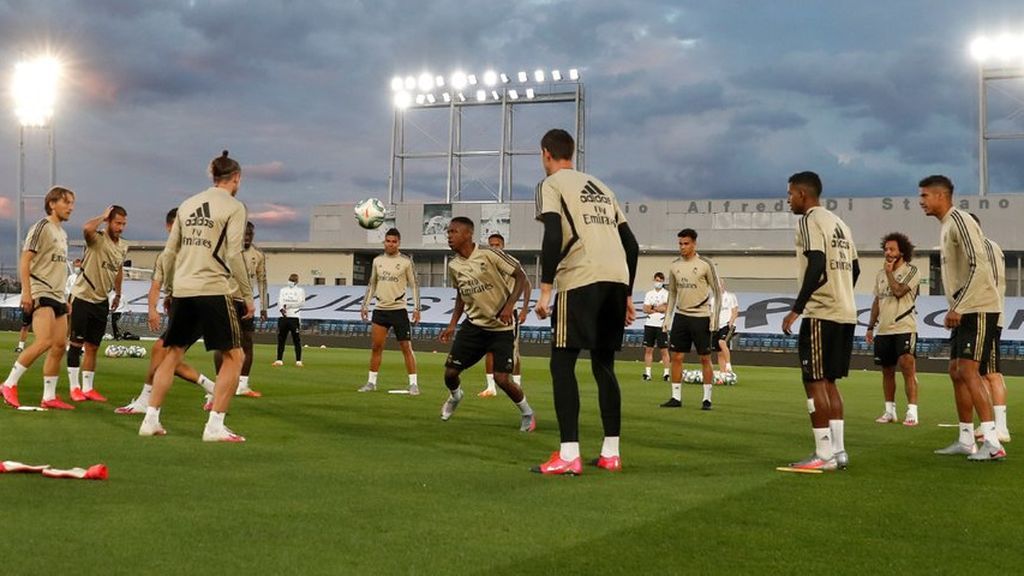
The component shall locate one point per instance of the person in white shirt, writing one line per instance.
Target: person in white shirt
(727, 316)
(655, 306)
(290, 300)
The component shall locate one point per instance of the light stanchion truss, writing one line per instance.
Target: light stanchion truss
(461, 91)
(999, 59)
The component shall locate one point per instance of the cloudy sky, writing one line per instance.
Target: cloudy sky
(686, 99)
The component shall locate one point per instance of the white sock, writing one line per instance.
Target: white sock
(677, 391)
(524, 407)
(967, 433)
(810, 405)
(372, 378)
(216, 420)
(206, 384)
(143, 399)
(49, 387)
(73, 378)
(666, 372)
(17, 371)
(890, 408)
(707, 392)
(569, 451)
(912, 412)
(21, 344)
(152, 414)
(610, 447)
(412, 380)
(838, 439)
(243, 382)
(988, 430)
(491, 386)
(1000, 418)
(823, 443)
(517, 379)
(647, 371)
(87, 378)
(728, 366)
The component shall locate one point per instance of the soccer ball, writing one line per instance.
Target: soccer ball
(693, 376)
(370, 213)
(115, 351)
(136, 351)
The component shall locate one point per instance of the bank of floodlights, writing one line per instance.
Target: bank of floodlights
(428, 89)
(1005, 49)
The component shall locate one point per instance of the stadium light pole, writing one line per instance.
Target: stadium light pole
(1006, 55)
(34, 89)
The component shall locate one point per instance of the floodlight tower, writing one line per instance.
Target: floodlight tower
(999, 58)
(34, 89)
(461, 90)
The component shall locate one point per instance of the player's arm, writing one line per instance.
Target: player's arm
(371, 289)
(856, 270)
(551, 255)
(118, 282)
(632, 248)
(92, 224)
(261, 278)
(812, 275)
(648, 306)
(281, 302)
(527, 290)
(410, 278)
(670, 303)
(153, 300)
(24, 272)
(716, 292)
(171, 249)
(517, 289)
(236, 262)
(870, 336)
(460, 306)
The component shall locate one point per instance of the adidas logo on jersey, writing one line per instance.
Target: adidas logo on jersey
(592, 194)
(839, 239)
(201, 217)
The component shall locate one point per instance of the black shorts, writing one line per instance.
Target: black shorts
(59, 308)
(655, 336)
(724, 334)
(88, 321)
(213, 318)
(690, 332)
(473, 342)
(995, 357)
(889, 347)
(825, 349)
(590, 317)
(974, 338)
(248, 324)
(396, 319)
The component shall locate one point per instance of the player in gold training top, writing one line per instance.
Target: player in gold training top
(590, 252)
(894, 313)
(481, 277)
(497, 242)
(203, 256)
(973, 316)
(828, 269)
(43, 270)
(102, 271)
(391, 278)
(693, 286)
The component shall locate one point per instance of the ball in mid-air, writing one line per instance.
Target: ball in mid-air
(370, 213)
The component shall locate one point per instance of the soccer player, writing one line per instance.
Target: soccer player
(973, 316)
(692, 285)
(729, 312)
(256, 263)
(102, 272)
(43, 270)
(828, 269)
(392, 276)
(589, 250)
(161, 281)
(994, 378)
(481, 277)
(497, 242)
(203, 252)
(290, 300)
(893, 311)
(655, 306)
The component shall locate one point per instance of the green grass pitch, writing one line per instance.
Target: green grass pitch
(337, 482)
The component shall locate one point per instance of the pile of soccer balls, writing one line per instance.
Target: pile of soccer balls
(119, 351)
(719, 378)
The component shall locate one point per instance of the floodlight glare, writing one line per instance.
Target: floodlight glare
(574, 74)
(459, 80)
(462, 97)
(529, 93)
(495, 95)
(446, 97)
(556, 75)
(513, 94)
(420, 98)
(425, 83)
(538, 75)
(397, 84)
(981, 49)
(439, 81)
(410, 82)
(522, 77)
(35, 90)
(471, 79)
(490, 78)
(481, 95)
(504, 78)
(431, 98)
(402, 100)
